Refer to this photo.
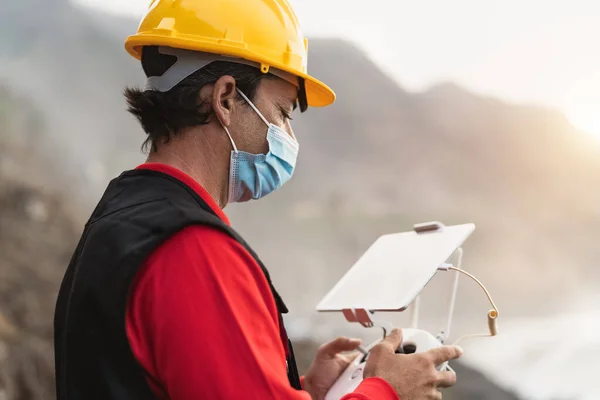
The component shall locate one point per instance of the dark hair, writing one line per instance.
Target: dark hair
(164, 114)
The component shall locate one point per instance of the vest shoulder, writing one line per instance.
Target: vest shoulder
(143, 194)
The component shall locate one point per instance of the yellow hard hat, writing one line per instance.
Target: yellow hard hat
(264, 32)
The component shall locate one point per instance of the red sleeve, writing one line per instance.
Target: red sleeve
(203, 323)
(373, 389)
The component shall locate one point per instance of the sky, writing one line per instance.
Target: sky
(544, 52)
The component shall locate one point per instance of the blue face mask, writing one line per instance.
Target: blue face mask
(252, 176)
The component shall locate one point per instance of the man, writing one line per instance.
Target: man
(162, 298)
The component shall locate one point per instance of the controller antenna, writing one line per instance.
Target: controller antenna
(492, 315)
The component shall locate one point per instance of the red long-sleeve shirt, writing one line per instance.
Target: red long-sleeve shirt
(202, 322)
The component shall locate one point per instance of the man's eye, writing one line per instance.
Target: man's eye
(286, 114)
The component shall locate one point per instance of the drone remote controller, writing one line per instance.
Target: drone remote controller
(414, 341)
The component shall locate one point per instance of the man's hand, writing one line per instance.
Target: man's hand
(328, 365)
(413, 376)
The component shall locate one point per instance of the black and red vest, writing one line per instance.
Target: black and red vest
(139, 210)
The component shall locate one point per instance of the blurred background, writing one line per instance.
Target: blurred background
(463, 111)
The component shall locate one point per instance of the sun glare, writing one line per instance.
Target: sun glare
(586, 118)
(583, 105)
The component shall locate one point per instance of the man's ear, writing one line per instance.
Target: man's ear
(223, 98)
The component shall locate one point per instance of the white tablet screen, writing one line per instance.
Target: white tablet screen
(395, 269)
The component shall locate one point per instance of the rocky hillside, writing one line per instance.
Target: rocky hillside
(37, 234)
(36, 239)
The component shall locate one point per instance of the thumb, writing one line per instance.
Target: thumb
(393, 340)
(339, 345)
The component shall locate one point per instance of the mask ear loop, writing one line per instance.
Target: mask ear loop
(235, 150)
(253, 106)
(230, 138)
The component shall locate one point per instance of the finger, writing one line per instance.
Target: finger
(393, 340)
(353, 356)
(445, 353)
(339, 345)
(446, 379)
